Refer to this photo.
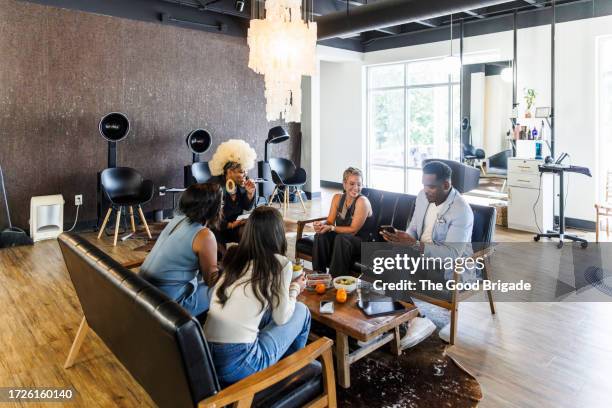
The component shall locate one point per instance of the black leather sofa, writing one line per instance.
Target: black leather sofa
(389, 208)
(163, 346)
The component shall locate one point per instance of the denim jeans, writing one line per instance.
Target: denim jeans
(235, 361)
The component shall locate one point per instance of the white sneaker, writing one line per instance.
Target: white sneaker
(419, 329)
(445, 333)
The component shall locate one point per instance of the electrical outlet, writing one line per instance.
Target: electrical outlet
(78, 199)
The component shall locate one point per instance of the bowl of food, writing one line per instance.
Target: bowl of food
(348, 283)
(297, 271)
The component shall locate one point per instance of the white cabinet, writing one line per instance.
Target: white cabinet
(530, 196)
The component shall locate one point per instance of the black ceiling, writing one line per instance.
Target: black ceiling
(222, 15)
(324, 7)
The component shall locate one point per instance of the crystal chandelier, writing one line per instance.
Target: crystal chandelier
(282, 48)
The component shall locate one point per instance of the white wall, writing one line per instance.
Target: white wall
(477, 108)
(576, 132)
(342, 132)
(498, 103)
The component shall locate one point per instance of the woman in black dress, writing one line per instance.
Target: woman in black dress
(337, 241)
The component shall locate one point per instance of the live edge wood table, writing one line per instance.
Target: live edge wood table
(349, 321)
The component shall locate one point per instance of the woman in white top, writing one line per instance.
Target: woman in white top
(254, 319)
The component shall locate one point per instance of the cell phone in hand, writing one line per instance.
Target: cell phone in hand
(388, 228)
(326, 307)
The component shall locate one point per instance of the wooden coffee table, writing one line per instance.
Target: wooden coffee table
(349, 321)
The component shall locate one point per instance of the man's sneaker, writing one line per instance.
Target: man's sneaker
(419, 329)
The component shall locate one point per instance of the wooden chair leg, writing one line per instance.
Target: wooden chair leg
(117, 226)
(76, 344)
(132, 219)
(144, 221)
(453, 323)
(285, 201)
(485, 274)
(329, 381)
(299, 193)
(108, 213)
(273, 196)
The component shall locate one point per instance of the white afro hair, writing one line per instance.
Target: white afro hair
(233, 150)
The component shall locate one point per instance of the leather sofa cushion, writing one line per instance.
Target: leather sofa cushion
(305, 244)
(294, 391)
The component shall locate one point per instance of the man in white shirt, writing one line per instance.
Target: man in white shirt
(441, 227)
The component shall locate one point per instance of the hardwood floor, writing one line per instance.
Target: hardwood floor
(528, 355)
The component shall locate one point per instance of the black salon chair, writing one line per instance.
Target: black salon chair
(498, 163)
(471, 154)
(200, 172)
(497, 166)
(125, 187)
(288, 178)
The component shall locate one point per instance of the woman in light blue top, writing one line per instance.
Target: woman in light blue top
(183, 262)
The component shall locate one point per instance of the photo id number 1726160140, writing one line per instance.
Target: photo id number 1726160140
(38, 394)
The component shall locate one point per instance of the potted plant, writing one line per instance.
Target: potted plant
(530, 95)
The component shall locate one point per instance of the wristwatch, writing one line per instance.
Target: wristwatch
(333, 228)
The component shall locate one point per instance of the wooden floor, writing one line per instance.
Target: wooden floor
(528, 355)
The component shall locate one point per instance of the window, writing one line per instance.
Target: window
(604, 105)
(413, 114)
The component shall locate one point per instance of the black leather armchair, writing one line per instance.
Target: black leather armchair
(287, 178)
(163, 346)
(125, 187)
(396, 209)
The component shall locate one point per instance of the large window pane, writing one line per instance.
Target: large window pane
(387, 178)
(419, 119)
(428, 120)
(386, 75)
(414, 181)
(387, 127)
(426, 72)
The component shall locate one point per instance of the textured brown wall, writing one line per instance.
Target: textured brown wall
(62, 70)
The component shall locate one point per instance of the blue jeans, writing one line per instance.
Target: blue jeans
(235, 361)
(199, 301)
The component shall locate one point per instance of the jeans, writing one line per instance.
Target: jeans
(199, 301)
(235, 361)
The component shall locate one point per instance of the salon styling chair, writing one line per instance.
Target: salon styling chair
(287, 179)
(125, 188)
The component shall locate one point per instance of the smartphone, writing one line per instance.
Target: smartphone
(387, 228)
(326, 307)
